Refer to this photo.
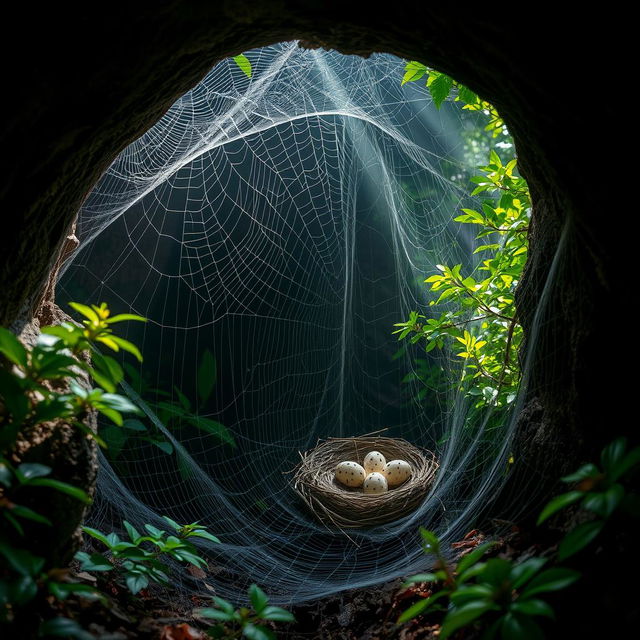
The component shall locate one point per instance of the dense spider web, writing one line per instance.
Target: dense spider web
(283, 223)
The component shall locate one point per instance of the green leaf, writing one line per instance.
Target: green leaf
(201, 533)
(244, 64)
(496, 572)
(134, 535)
(93, 562)
(554, 579)
(12, 348)
(257, 632)
(21, 590)
(98, 535)
(413, 71)
(108, 367)
(559, 502)
(21, 560)
(277, 614)
(472, 557)
(420, 577)
(520, 627)
(628, 462)
(207, 375)
(584, 472)
(86, 311)
(136, 582)
(606, 502)
(214, 614)
(430, 541)
(121, 317)
(212, 427)
(29, 514)
(134, 425)
(533, 607)
(27, 471)
(613, 454)
(223, 604)
(579, 538)
(461, 616)
(523, 572)
(119, 403)
(421, 606)
(126, 345)
(440, 88)
(258, 597)
(466, 95)
(64, 627)
(62, 487)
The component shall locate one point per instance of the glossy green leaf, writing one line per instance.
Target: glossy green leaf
(62, 487)
(559, 502)
(64, 627)
(554, 579)
(579, 538)
(257, 632)
(464, 615)
(277, 614)
(12, 348)
(258, 597)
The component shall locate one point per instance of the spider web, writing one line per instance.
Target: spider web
(283, 223)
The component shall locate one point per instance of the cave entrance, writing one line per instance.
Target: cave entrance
(273, 228)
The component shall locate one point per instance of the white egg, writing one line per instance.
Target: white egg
(396, 472)
(350, 473)
(374, 461)
(375, 483)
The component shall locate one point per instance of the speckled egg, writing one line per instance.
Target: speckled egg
(374, 461)
(350, 473)
(396, 472)
(375, 483)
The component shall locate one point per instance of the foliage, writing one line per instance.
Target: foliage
(244, 64)
(244, 622)
(504, 596)
(33, 390)
(479, 308)
(140, 559)
(441, 86)
(598, 490)
(500, 594)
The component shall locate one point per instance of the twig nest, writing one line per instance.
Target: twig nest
(341, 506)
(374, 461)
(350, 474)
(396, 472)
(375, 483)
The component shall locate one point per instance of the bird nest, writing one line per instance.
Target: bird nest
(347, 507)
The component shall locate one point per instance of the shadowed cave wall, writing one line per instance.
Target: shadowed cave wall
(83, 87)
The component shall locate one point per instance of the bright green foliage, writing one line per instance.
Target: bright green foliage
(244, 64)
(440, 86)
(599, 490)
(244, 622)
(480, 313)
(31, 393)
(139, 560)
(502, 596)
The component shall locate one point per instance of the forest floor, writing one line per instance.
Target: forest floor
(600, 605)
(362, 614)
